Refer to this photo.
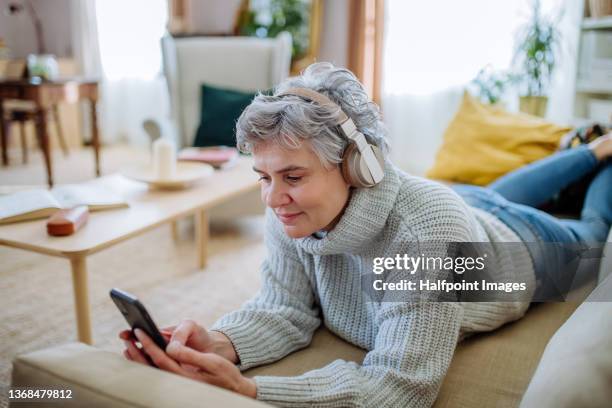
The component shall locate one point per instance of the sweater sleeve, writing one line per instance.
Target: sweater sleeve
(283, 316)
(413, 349)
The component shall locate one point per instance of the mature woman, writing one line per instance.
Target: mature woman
(334, 205)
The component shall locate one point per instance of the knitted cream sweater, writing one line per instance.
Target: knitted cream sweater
(309, 280)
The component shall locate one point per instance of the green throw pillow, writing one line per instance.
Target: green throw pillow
(219, 111)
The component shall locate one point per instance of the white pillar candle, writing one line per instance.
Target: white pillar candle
(164, 159)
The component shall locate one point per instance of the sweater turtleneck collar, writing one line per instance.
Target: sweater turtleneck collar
(364, 217)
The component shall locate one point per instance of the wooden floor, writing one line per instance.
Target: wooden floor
(77, 166)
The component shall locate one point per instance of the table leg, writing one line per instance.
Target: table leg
(175, 230)
(58, 129)
(81, 299)
(3, 135)
(43, 139)
(202, 233)
(95, 141)
(24, 142)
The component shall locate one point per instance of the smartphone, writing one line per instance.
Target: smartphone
(137, 316)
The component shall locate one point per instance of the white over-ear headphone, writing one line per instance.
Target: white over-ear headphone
(362, 162)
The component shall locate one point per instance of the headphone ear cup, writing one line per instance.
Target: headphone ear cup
(354, 168)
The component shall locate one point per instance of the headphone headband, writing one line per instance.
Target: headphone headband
(348, 127)
(317, 97)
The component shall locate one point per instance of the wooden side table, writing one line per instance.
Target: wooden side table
(46, 95)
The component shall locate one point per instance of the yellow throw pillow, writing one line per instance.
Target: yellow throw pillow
(484, 142)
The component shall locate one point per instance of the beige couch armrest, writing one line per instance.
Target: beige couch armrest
(576, 368)
(100, 378)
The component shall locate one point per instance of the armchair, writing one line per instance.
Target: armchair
(240, 63)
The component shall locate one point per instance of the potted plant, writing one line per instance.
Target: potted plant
(269, 18)
(490, 85)
(536, 55)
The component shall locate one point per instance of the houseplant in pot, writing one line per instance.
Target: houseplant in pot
(490, 85)
(269, 18)
(536, 54)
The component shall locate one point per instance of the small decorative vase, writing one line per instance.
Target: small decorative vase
(533, 105)
(43, 66)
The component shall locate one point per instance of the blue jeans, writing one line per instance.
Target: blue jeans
(512, 199)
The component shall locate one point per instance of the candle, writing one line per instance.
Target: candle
(164, 159)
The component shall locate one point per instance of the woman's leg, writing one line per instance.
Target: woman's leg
(553, 247)
(558, 247)
(536, 183)
(596, 215)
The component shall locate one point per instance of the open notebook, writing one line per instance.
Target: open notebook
(40, 203)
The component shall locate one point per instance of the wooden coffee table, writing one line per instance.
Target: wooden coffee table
(148, 209)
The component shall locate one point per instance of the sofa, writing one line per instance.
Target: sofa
(558, 355)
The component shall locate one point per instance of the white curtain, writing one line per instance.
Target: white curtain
(85, 37)
(84, 31)
(119, 42)
(562, 92)
(434, 49)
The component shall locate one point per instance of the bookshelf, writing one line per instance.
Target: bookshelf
(593, 98)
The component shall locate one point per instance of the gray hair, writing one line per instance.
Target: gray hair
(290, 120)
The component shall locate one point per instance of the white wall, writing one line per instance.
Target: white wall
(335, 32)
(214, 16)
(17, 31)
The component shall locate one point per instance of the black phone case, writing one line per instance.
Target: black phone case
(137, 316)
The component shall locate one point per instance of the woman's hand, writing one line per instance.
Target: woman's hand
(134, 352)
(207, 367)
(189, 333)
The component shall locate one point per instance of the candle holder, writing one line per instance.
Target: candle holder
(164, 159)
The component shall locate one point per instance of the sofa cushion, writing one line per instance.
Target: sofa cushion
(493, 369)
(576, 368)
(484, 142)
(220, 109)
(489, 369)
(99, 378)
